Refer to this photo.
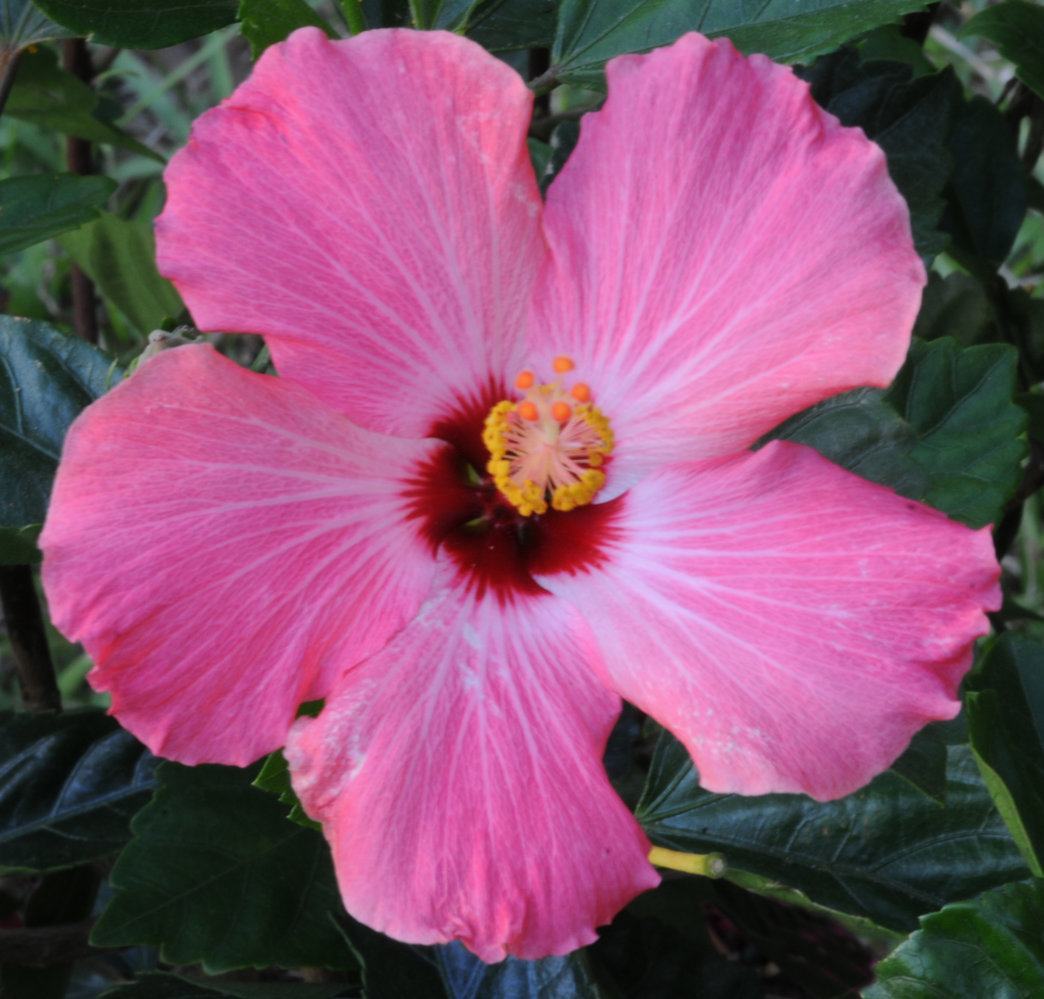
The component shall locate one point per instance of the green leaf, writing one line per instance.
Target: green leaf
(390, 969)
(119, 256)
(991, 946)
(923, 765)
(1017, 28)
(69, 785)
(33, 209)
(48, 96)
(887, 852)
(46, 378)
(23, 24)
(166, 986)
(987, 196)
(216, 875)
(274, 777)
(141, 24)
(946, 433)
(501, 25)
(1005, 705)
(590, 32)
(266, 22)
(909, 118)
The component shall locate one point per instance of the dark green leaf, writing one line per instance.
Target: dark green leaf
(590, 32)
(390, 969)
(163, 986)
(991, 947)
(946, 433)
(274, 777)
(22, 24)
(46, 378)
(887, 853)
(466, 977)
(119, 256)
(33, 209)
(924, 763)
(987, 196)
(266, 22)
(501, 25)
(1017, 28)
(69, 785)
(909, 118)
(141, 24)
(216, 875)
(1005, 704)
(46, 95)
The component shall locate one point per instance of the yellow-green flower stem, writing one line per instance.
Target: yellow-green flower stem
(708, 865)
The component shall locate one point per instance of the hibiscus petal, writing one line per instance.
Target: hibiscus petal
(792, 624)
(724, 254)
(223, 545)
(369, 206)
(458, 777)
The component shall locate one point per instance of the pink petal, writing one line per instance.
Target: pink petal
(724, 254)
(792, 624)
(223, 545)
(369, 206)
(458, 777)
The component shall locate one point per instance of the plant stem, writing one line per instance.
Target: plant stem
(77, 60)
(25, 630)
(8, 68)
(353, 16)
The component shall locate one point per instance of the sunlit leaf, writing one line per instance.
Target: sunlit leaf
(991, 946)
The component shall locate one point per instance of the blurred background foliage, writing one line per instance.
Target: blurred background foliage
(934, 864)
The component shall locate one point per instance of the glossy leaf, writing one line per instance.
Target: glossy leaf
(590, 32)
(48, 96)
(266, 22)
(36, 208)
(946, 433)
(22, 23)
(888, 853)
(1017, 28)
(119, 256)
(141, 24)
(69, 785)
(46, 378)
(909, 118)
(216, 875)
(991, 946)
(1005, 705)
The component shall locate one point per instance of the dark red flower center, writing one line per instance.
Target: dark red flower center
(496, 548)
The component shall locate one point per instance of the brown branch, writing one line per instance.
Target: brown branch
(25, 630)
(77, 60)
(45, 946)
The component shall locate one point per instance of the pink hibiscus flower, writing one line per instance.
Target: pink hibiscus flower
(503, 479)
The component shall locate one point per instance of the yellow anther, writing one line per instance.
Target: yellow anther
(562, 364)
(561, 411)
(525, 380)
